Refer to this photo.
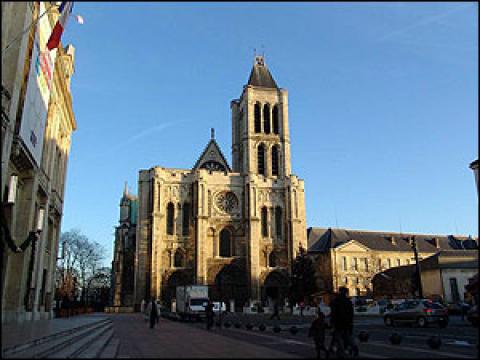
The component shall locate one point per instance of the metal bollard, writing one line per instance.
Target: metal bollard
(363, 336)
(395, 338)
(434, 342)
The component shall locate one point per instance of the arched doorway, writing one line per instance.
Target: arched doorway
(176, 278)
(231, 283)
(276, 286)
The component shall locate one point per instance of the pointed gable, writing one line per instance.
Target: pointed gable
(212, 158)
(260, 76)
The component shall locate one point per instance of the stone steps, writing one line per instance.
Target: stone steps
(92, 340)
(38, 346)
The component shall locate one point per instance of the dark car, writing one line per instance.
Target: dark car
(472, 315)
(418, 312)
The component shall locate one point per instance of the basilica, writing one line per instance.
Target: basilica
(235, 227)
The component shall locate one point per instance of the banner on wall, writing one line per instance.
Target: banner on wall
(39, 83)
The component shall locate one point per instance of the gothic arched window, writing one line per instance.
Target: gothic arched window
(186, 219)
(272, 260)
(225, 243)
(178, 258)
(276, 127)
(266, 119)
(275, 161)
(264, 222)
(278, 221)
(257, 118)
(261, 159)
(170, 215)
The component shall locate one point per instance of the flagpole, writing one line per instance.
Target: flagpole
(27, 29)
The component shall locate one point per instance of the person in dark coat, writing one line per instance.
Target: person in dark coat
(342, 322)
(153, 313)
(317, 331)
(209, 313)
(275, 311)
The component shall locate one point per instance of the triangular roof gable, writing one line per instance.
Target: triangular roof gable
(212, 152)
(355, 242)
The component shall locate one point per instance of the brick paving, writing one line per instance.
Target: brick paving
(27, 331)
(177, 340)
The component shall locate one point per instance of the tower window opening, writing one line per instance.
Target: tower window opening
(261, 159)
(225, 243)
(266, 119)
(278, 221)
(272, 260)
(275, 161)
(264, 222)
(170, 216)
(275, 120)
(257, 118)
(178, 259)
(186, 219)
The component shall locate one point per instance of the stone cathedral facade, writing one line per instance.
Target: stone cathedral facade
(234, 228)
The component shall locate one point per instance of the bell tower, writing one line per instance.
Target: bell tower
(260, 135)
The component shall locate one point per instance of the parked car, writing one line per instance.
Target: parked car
(472, 315)
(420, 312)
(457, 308)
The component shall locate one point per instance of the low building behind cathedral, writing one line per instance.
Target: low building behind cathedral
(234, 228)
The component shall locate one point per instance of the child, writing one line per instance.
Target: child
(317, 331)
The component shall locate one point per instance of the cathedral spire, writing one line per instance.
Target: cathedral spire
(212, 133)
(125, 190)
(260, 75)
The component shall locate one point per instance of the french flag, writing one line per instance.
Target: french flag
(65, 9)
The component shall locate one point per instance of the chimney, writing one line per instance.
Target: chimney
(436, 242)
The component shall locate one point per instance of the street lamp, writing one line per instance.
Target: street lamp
(418, 276)
(474, 167)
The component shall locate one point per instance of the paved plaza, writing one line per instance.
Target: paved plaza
(129, 336)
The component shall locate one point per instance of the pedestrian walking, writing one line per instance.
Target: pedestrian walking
(342, 322)
(142, 306)
(317, 331)
(158, 310)
(276, 312)
(209, 314)
(302, 306)
(152, 312)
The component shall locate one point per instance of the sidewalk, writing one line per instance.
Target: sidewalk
(171, 339)
(17, 334)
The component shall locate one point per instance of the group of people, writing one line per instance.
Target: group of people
(341, 321)
(151, 311)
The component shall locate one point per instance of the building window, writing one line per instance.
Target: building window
(225, 243)
(266, 119)
(365, 262)
(389, 263)
(261, 159)
(257, 116)
(178, 259)
(398, 262)
(379, 264)
(264, 222)
(345, 280)
(186, 219)
(278, 221)
(170, 216)
(344, 263)
(272, 260)
(275, 120)
(275, 161)
(454, 290)
(355, 264)
(407, 262)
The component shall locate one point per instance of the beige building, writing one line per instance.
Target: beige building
(351, 258)
(233, 228)
(443, 275)
(33, 166)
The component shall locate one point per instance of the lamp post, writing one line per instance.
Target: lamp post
(417, 267)
(474, 167)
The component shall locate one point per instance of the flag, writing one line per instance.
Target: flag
(79, 19)
(65, 9)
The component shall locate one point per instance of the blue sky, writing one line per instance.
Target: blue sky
(382, 104)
